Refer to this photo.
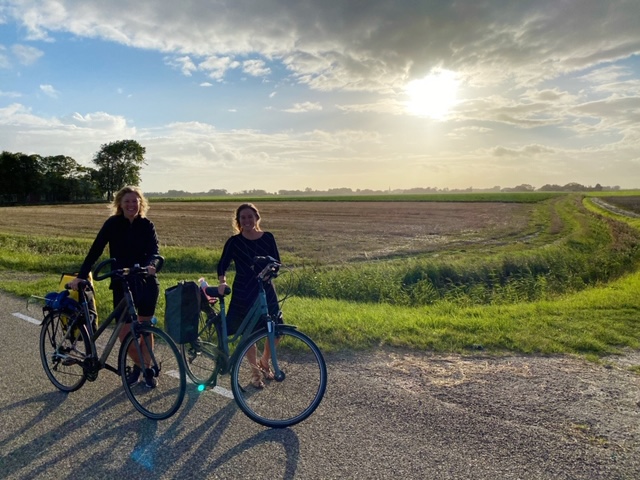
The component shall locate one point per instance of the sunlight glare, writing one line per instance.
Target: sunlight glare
(434, 95)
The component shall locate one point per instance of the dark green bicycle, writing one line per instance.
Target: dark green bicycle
(70, 355)
(292, 392)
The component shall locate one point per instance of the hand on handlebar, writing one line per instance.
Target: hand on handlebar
(73, 284)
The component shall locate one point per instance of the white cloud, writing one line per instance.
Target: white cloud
(256, 68)
(26, 55)
(49, 91)
(184, 64)
(304, 107)
(216, 67)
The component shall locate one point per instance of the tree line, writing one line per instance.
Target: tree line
(28, 179)
(31, 179)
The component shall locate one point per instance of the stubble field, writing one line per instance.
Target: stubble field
(323, 232)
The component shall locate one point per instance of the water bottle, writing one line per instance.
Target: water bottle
(203, 285)
(154, 320)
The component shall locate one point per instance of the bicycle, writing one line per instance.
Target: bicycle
(70, 355)
(299, 369)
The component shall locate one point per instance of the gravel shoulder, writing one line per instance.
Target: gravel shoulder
(557, 417)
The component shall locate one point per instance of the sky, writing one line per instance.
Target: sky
(307, 94)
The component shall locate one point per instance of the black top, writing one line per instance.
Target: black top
(130, 243)
(241, 251)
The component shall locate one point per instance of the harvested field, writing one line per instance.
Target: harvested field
(628, 203)
(324, 232)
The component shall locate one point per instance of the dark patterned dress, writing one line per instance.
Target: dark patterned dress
(241, 251)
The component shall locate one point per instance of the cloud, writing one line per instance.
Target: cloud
(26, 55)
(49, 91)
(525, 151)
(256, 68)
(536, 80)
(184, 64)
(217, 67)
(304, 107)
(339, 45)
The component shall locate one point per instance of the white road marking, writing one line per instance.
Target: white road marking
(27, 318)
(217, 389)
(222, 391)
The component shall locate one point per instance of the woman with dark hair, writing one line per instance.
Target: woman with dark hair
(248, 242)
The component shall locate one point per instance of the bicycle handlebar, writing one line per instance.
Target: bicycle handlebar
(122, 272)
(214, 293)
(271, 268)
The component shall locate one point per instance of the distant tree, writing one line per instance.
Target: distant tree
(574, 187)
(119, 164)
(550, 188)
(20, 177)
(63, 177)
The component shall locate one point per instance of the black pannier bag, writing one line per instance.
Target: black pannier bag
(182, 311)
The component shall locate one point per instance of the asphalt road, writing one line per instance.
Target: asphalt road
(385, 415)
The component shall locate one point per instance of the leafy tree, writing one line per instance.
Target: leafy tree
(62, 175)
(119, 164)
(21, 180)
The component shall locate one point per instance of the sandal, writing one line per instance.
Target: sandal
(256, 380)
(266, 371)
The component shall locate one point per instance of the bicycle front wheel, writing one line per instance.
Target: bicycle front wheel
(63, 354)
(158, 389)
(285, 401)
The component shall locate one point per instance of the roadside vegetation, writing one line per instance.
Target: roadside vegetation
(565, 282)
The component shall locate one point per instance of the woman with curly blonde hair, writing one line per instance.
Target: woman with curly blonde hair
(132, 240)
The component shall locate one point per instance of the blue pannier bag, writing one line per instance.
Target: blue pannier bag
(61, 301)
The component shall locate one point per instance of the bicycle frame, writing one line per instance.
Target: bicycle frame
(122, 312)
(259, 310)
(295, 373)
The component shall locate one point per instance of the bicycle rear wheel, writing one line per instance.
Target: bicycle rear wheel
(291, 399)
(62, 355)
(201, 357)
(165, 368)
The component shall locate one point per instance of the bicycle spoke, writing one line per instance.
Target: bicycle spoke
(201, 357)
(161, 384)
(285, 402)
(62, 355)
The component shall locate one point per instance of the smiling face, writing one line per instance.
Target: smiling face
(247, 219)
(130, 205)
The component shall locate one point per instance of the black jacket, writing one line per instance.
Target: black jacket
(129, 243)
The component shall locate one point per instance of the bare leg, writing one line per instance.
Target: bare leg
(264, 361)
(256, 377)
(133, 352)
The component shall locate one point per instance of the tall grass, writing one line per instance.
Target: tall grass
(589, 251)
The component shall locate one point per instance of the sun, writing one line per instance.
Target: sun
(434, 95)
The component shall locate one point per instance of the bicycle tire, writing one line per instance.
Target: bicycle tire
(201, 358)
(163, 400)
(281, 403)
(61, 357)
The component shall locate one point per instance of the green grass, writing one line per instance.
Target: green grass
(597, 321)
(571, 289)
